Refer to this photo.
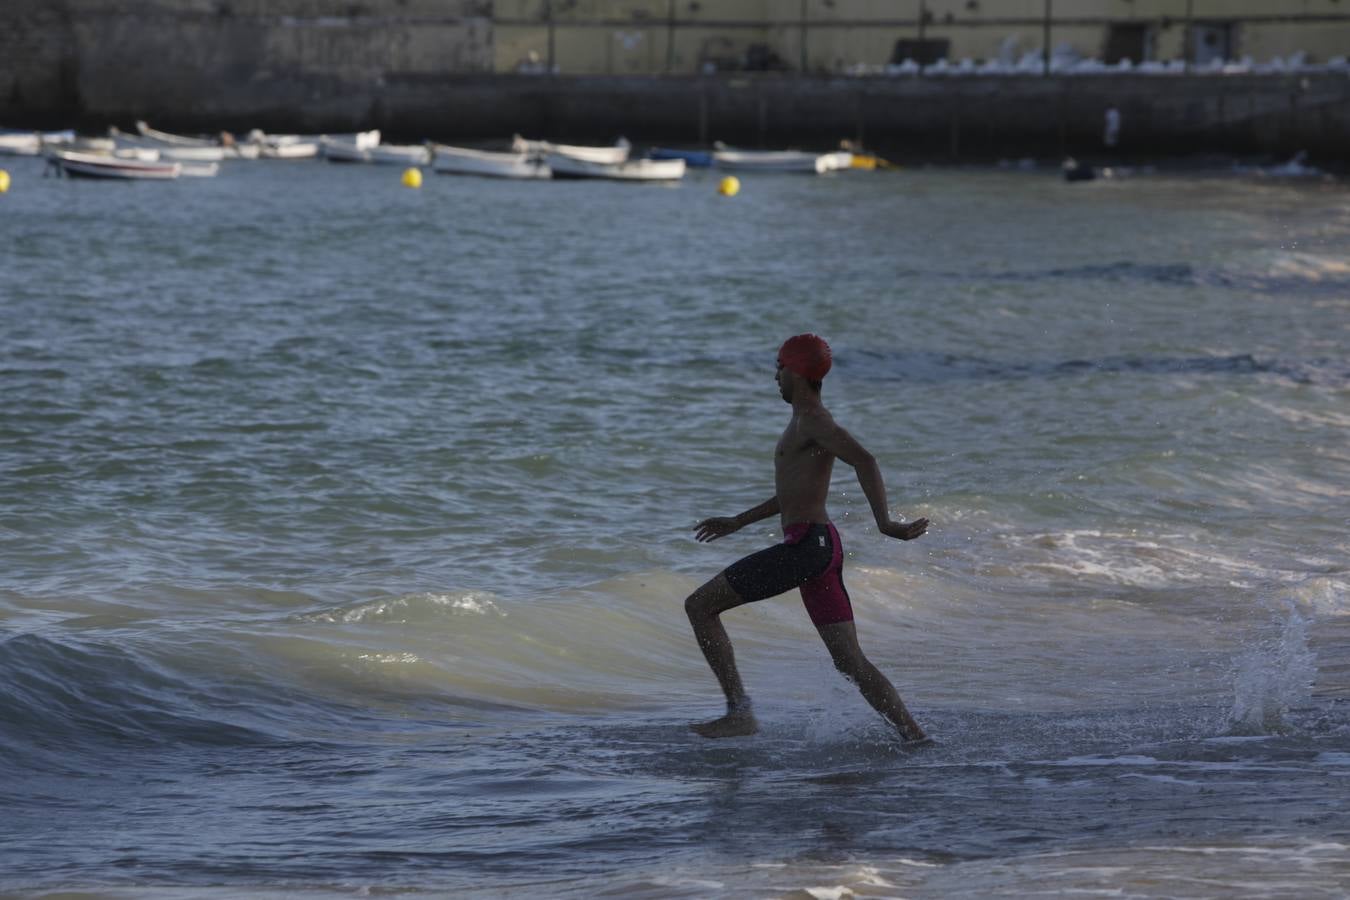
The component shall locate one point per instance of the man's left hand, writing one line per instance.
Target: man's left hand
(905, 531)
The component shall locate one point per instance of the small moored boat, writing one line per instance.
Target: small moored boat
(615, 153)
(566, 166)
(20, 143)
(305, 146)
(284, 146)
(340, 150)
(493, 164)
(31, 143)
(229, 147)
(179, 152)
(93, 165)
(780, 161)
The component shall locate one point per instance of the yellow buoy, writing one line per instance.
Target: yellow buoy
(4, 181)
(412, 178)
(729, 186)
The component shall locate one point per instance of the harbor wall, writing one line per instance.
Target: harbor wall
(424, 71)
(951, 118)
(220, 63)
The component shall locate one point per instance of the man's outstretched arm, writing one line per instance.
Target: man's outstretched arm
(844, 446)
(721, 526)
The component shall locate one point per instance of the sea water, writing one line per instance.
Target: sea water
(345, 529)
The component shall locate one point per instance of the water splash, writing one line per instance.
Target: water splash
(1273, 677)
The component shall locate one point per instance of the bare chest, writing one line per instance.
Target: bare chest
(795, 452)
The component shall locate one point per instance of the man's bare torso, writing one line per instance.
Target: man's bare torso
(802, 469)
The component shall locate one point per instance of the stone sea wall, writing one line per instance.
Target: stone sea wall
(223, 63)
(422, 69)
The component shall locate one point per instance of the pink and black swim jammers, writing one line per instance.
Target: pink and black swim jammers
(810, 558)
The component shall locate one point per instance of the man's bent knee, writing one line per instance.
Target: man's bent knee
(711, 600)
(695, 607)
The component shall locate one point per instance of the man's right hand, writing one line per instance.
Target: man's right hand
(714, 528)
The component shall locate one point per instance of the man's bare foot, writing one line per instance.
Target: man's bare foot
(736, 723)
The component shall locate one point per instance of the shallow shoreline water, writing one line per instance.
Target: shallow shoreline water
(345, 531)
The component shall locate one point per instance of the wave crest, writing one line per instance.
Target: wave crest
(409, 609)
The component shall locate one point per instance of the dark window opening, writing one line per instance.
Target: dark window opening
(1128, 40)
(925, 52)
(763, 58)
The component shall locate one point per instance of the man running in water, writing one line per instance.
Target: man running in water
(810, 556)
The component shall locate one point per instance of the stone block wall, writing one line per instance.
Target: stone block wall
(38, 77)
(423, 69)
(201, 62)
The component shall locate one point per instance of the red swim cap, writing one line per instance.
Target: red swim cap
(807, 355)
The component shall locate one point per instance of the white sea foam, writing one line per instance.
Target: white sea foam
(1123, 558)
(1326, 595)
(390, 658)
(409, 609)
(1309, 266)
(837, 892)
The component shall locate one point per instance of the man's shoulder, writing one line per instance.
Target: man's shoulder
(817, 421)
(818, 415)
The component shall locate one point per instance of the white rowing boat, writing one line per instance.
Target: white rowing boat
(296, 149)
(20, 143)
(283, 146)
(340, 150)
(780, 161)
(169, 151)
(566, 166)
(176, 140)
(31, 143)
(305, 146)
(489, 163)
(615, 153)
(93, 165)
(200, 170)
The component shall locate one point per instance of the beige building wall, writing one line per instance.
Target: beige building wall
(595, 37)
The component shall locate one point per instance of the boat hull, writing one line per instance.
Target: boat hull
(565, 166)
(489, 164)
(17, 144)
(786, 161)
(340, 151)
(198, 152)
(169, 147)
(201, 170)
(290, 150)
(82, 165)
(602, 155)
